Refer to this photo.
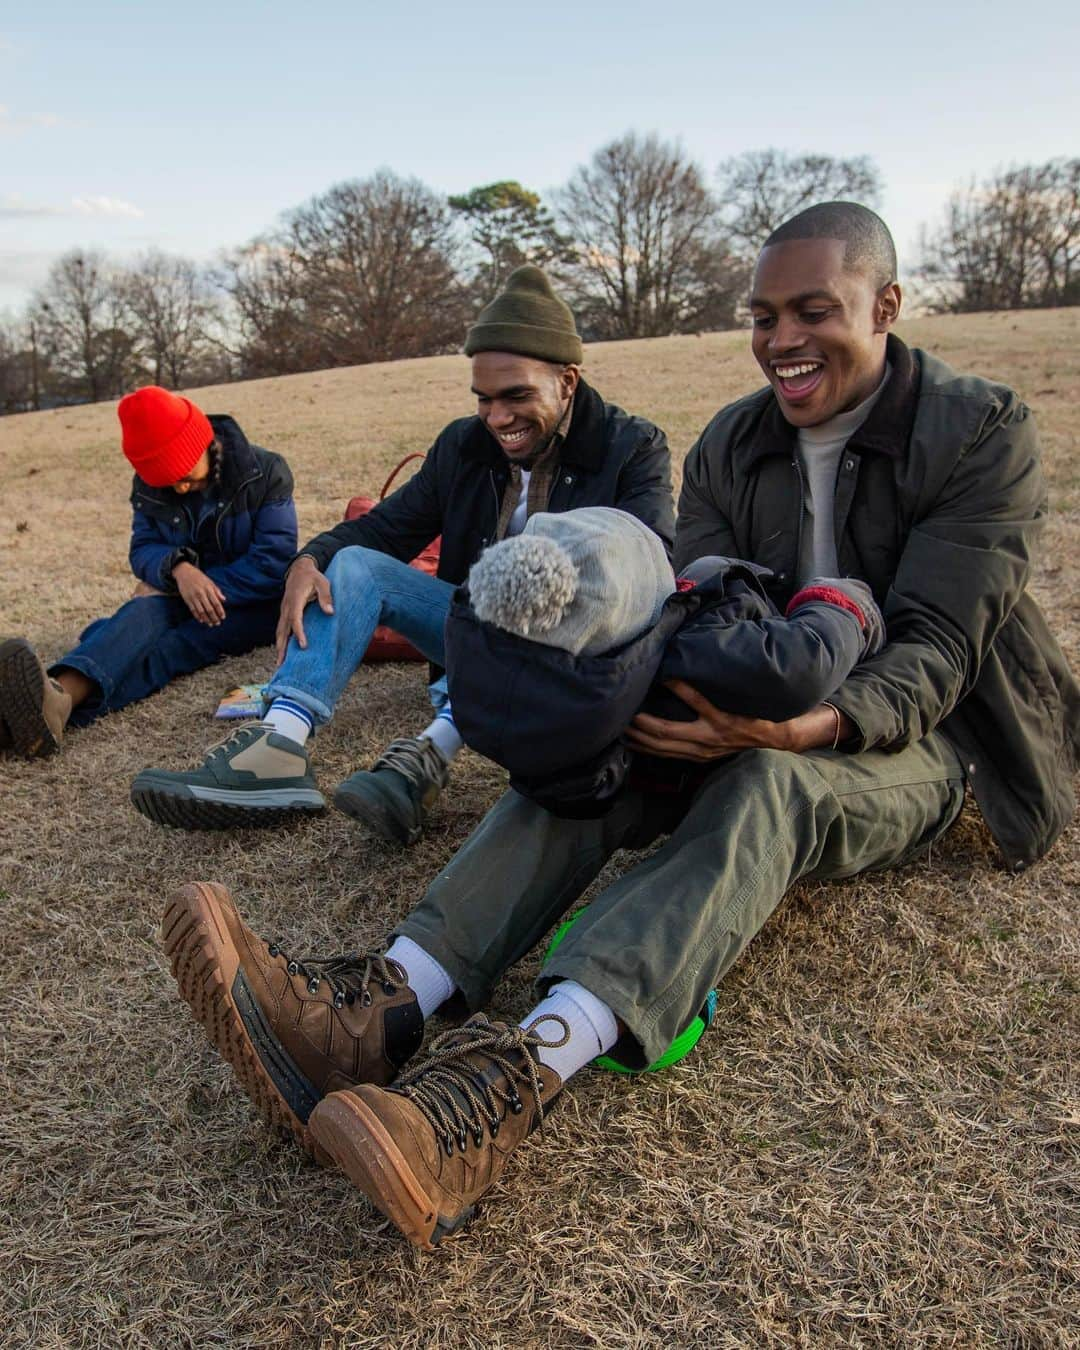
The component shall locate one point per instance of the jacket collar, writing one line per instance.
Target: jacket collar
(886, 431)
(584, 445)
(238, 465)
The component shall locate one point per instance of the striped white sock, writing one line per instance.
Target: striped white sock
(290, 719)
(593, 1028)
(430, 983)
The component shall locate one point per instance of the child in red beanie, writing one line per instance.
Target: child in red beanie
(214, 530)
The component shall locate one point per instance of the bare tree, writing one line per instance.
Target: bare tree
(363, 272)
(760, 189)
(650, 259)
(510, 226)
(172, 308)
(24, 376)
(263, 281)
(380, 279)
(1011, 242)
(81, 319)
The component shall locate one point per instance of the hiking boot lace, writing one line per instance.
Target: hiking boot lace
(417, 760)
(445, 1086)
(237, 735)
(348, 975)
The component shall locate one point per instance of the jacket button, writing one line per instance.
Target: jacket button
(781, 576)
(849, 465)
(568, 480)
(176, 520)
(971, 768)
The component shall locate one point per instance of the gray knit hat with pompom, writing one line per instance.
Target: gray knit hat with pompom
(587, 580)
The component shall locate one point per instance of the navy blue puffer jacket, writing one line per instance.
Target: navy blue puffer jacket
(244, 542)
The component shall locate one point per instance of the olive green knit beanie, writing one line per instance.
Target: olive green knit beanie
(527, 318)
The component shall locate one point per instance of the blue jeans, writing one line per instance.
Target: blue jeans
(150, 641)
(368, 588)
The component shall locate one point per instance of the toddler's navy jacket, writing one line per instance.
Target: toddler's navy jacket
(555, 720)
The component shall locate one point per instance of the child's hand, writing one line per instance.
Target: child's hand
(202, 596)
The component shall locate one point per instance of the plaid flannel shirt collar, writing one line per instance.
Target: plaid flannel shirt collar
(542, 474)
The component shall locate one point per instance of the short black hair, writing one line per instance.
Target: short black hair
(868, 245)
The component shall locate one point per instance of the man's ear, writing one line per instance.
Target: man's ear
(887, 306)
(568, 379)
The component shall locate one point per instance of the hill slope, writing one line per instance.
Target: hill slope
(869, 1146)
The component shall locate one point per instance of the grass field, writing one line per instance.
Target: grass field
(875, 1145)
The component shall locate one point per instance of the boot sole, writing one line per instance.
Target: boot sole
(355, 1138)
(373, 812)
(182, 807)
(208, 974)
(22, 695)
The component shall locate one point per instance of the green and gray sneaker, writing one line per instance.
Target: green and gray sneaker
(255, 778)
(395, 795)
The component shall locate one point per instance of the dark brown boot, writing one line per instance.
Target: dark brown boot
(291, 1029)
(33, 708)
(425, 1150)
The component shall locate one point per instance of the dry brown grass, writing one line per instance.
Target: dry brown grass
(874, 1146)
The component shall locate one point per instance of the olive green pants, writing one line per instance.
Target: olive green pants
(655, 942)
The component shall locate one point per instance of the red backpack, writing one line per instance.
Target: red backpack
(387, 645)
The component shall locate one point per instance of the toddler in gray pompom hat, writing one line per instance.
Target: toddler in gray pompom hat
(586, 581)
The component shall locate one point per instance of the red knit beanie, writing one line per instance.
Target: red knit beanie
(164, 435)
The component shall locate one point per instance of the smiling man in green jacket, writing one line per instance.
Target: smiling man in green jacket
(860, 457)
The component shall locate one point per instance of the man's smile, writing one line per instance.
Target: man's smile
(797, 380)
(512, 439)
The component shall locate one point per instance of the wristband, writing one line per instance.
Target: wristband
(181, 555)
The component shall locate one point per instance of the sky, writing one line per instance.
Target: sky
(191, 127)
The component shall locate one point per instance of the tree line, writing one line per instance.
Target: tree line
(376, 269)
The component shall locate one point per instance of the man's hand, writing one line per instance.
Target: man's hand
(713, 733)
(143, 588)
(303, 584)
(205, 599)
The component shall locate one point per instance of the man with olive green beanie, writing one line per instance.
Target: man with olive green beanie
(541, 440)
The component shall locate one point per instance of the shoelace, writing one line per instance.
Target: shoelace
(237, 734)
(416, 759)
(348, 974)
(449, 1073)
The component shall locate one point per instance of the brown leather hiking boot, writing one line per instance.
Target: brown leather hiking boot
(291, 1029)
(33, 708)
(425, 1150)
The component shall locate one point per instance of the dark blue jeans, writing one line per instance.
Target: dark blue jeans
(151, 640)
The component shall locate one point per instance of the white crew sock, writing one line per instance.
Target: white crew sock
(431, 984)
(290, 719)
(444, 734)
(593, 1028)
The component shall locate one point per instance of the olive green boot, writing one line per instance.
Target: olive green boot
(395, 795)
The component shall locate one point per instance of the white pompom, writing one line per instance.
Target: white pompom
(523, 584)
